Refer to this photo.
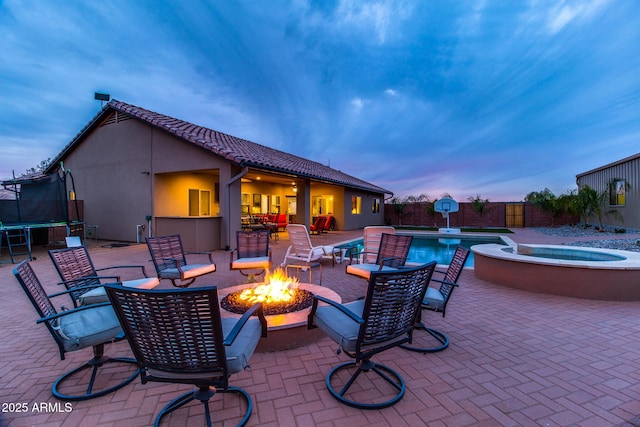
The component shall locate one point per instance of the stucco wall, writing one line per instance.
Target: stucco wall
(125, 171)
(366, 216)
(111, 174)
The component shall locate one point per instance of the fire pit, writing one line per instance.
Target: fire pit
(288, 329)
(278, 294)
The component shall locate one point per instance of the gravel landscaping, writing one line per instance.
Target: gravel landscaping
(599, 239)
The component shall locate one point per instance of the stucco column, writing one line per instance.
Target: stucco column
(303, 202)
(230, 188)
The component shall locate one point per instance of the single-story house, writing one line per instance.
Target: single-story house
(139, 172)
(621, 179)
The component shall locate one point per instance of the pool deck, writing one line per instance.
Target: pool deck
(516, 359)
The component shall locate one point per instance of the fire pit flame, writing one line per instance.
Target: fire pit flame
(278, 294)
(277, 287)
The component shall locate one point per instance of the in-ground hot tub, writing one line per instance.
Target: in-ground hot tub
(581, 272)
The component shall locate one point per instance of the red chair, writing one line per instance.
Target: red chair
(318, 225)
(329, 223)
(281, 220)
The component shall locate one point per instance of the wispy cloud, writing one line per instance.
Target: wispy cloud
(570, 11)
(497, 99)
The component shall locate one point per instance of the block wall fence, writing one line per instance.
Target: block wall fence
(421, 214)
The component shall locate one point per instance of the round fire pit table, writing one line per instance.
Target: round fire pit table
(289, 330)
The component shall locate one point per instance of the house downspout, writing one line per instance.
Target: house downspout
(245, 170)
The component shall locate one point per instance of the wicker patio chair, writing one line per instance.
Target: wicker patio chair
(76, 270)
(364, 328)
(178, 336)
(252, 253)
(371, 244)
(391, 255)
(437, 300)
(171, 263)
(72, 330)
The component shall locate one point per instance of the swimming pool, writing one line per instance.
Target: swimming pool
(428, 247)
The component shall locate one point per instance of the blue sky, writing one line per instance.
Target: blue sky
(490, 98)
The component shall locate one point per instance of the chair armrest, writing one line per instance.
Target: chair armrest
(178, 264)
(141, 267)
(391, 258)
(351, 254)
(202, 253)
(231, 256)
(76, 289)
(444, 282)
(256, 308)
(82, 279)
(67, 312)
(359, 320)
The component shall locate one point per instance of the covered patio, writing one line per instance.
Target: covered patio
(516, 358)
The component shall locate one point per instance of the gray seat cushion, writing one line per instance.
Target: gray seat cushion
(239, 353)
(189, 271)
(342, 329)
(97, 295)
(86, 328)
(433, 299)
(364, 270)
(251, 263)
(338, 326)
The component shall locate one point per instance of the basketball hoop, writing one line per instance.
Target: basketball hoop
(445, 206)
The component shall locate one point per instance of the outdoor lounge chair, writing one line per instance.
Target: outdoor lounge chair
(171, 263)
(391, 255)
(86, 326)
(76, 270)
(318, 226)
(252, 252)
(301, 249)
(437, 299)
(371, 243)
(329, 223)
(364, 328)
(178, 336)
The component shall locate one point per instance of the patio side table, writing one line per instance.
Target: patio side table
(343, 251)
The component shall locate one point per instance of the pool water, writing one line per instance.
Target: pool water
(428, 248)
(566, 254)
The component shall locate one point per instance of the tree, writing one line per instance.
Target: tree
(479, 205)
(418, 199)
(568, 202)
(42, 166)
(547, 201)
(586, 200)
(399, 205)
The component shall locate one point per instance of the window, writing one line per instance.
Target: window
(322, 205)
(375, 206)
(244, 202)
(356, 205)
(617, 192)
(199, 202)
(275, 204)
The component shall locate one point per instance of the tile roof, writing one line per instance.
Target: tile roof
(237, 150)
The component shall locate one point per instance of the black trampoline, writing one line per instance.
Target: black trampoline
(40, 202)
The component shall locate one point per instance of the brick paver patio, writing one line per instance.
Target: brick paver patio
(515, 359)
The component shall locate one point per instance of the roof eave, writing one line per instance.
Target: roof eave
(371, 189)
